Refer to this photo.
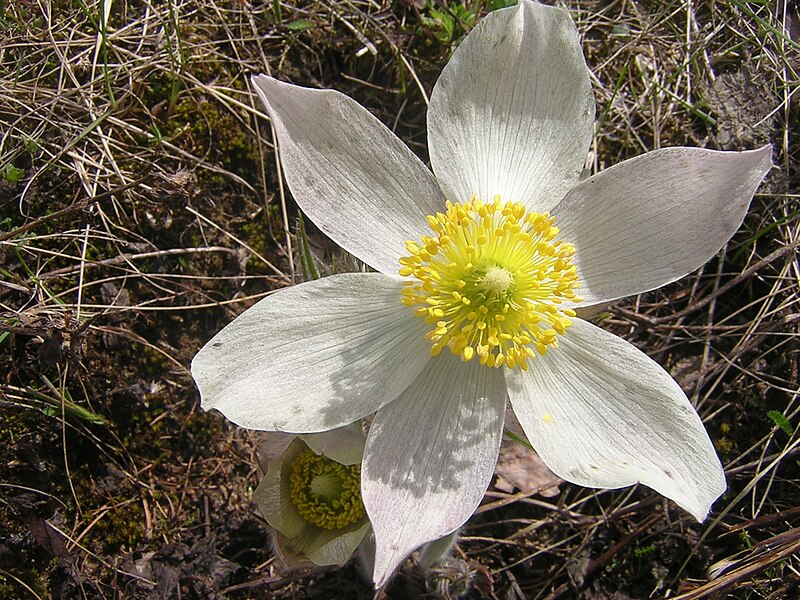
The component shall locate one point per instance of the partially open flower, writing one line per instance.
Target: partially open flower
(311, 496)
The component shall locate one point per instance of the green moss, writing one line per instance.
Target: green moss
(35, 581)
(123, 526)
(200, 125)
(216, 133)
(202, 429)
(14, 423)
(156, 364)
(257, 235)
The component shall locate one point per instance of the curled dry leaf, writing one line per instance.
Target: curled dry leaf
(521, 468)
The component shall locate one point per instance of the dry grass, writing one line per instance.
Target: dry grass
(141, 208)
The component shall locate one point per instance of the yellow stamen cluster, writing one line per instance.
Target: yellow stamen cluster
(324, 492)
(491, 281)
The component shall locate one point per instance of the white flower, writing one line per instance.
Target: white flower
(310, 495)
(511, 116)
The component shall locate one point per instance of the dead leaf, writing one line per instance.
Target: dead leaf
(521, 468)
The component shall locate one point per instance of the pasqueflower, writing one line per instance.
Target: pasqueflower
(311, 496)
(479, 267)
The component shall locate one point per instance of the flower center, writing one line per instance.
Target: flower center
(491, 281)
(324, 492)
(497, 280)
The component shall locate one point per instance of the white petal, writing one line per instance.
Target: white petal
(270, 446)
(334, 547)
(344, 445)
(349, 173)
(272, 496)
(650, 220)
(430, 456)
(315, 356)
(435, 551)
(602, 414)
(512, 112)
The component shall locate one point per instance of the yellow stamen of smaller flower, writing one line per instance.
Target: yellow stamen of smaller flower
(491, 282)
(324, 492)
